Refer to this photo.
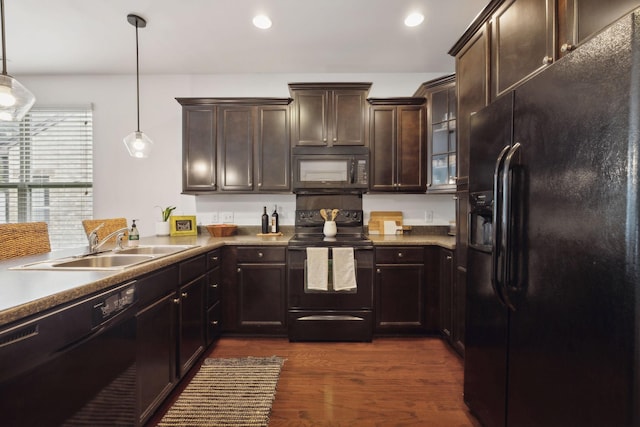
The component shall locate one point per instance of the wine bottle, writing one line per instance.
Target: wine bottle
(265, 221)
(275, 225)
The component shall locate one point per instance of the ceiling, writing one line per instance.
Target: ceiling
(217, 37)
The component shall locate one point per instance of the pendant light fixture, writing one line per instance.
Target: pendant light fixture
(138, 144)
(15, 99)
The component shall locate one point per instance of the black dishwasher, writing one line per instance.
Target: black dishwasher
(75, 365)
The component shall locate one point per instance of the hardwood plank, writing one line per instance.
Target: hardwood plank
(413, 381)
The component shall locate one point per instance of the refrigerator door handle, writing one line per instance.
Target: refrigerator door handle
(497, 254)
(506, 226)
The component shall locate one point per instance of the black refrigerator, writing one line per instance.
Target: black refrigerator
(553, 265)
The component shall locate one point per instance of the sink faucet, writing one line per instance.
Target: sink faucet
(95, 243)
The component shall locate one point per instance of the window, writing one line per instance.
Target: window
(46, 171)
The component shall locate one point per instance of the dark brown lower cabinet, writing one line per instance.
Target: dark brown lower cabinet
(191, 323)
(446, 293)
(156, 364)
(459, 307)
(260, 290)
(156, 344)
(400, 290)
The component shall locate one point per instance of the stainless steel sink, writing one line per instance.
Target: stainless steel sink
(108, 260)
(156, 249)
(104, 261)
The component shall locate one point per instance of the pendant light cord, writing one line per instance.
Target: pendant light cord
(137, 74)
(4, 50)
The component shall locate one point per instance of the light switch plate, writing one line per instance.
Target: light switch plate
(215, 219)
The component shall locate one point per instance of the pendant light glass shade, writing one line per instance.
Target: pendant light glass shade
(15, 99)
(138, 144)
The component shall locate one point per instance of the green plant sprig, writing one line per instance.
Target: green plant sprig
(166, 212)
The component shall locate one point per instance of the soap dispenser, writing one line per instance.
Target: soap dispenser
(134, 236)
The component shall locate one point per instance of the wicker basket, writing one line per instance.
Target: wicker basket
(222, 230)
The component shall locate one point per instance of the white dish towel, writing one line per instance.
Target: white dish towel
(344, 272)
(318, 269)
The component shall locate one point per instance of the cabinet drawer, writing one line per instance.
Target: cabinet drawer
(214, 327)
(156, 285)
(192, 268)
(261, 254)
(400, 255)
(214, 286)
(214, 258)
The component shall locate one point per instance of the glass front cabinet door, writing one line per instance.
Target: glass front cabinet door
(441, 122)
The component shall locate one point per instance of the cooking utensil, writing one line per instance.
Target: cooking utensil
(323, 214)
(334, 213)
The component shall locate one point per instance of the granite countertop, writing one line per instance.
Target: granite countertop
(27, 292)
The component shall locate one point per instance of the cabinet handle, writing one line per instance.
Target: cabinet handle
(335, 139)
(449, 257)
(214, 258)
(239, 270)
(378, 270)
(259, 184)
(260, 255)
(176, 300)
(567, 47)
(214, 286)
(184, 294)
(547, 60)
(214, 323)
(324, 139)
(400, 255)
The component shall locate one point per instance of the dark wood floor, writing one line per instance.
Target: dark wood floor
(388, 382)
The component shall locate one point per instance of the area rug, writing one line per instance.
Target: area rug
(228, 392)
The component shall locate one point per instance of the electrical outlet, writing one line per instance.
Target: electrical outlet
(428, 217)
(227, 217)
(215, 219)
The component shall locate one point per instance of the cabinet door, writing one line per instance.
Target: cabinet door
(446, 293)
(522, 42)
(383, 148)
(191, 323)
(348, 120)
(261, 297)
(198, 148)
(400, 298)
(458, 309)
(235, 148)
(580, 19)
(156, 354)
(311, 117)
(273, 165)
(411, 145)
(472, 87)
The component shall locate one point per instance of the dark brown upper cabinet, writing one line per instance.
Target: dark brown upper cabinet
(522, 42)
(198, 148)
(247, 145)
(580, 19)
(398, 144)
(441, 141)
(328, 114)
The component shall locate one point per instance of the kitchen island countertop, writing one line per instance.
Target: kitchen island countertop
(27, 292)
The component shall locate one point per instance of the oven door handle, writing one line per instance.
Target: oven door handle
(355, 248)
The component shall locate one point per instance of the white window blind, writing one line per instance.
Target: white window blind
(46, 171)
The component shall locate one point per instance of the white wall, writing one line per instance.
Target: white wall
(133, 188)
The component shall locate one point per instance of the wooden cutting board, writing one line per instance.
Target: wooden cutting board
(377, 219)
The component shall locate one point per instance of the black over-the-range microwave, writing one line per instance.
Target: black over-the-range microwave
(330, 168)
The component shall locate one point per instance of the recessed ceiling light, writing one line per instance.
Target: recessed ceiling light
(414, 19)
(262, 21)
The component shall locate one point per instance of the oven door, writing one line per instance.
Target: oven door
(302, 298)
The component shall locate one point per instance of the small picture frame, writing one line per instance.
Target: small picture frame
(183, 226)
